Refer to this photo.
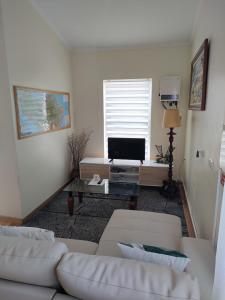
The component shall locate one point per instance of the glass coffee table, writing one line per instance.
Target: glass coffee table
(79, 187)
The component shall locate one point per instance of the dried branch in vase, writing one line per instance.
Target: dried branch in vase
(77, 144)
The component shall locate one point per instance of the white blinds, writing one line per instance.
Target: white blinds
(222, 151)
(127, 105)
(218, 285)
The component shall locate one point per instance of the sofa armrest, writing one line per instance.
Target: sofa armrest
(202, 263)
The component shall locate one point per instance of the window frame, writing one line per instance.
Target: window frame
(105, 137)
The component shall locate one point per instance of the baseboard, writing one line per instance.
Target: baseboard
(187, 211)
(28, 217)
(10, 221)
(190, 211)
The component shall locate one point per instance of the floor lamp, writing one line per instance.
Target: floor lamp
(171, 120)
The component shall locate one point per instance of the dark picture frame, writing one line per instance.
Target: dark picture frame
(199, 72)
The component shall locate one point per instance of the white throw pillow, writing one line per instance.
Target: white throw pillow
(170, 258)
(93, 277)
(27, 232)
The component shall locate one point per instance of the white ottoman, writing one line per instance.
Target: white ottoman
(149, 228)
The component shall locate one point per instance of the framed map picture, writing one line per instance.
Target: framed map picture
(199, 69)
(40, 111)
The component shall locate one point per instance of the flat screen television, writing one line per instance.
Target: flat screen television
(126, 148)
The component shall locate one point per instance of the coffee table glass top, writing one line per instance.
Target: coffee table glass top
(108, 188)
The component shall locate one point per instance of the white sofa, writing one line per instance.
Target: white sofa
(22, 281)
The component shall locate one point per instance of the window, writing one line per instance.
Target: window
(127, 110)
(218, 286)
(220, 189)
(222, 150)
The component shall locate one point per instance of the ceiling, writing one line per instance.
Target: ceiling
(119, 23)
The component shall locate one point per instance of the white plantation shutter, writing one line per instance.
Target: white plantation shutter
(222, 151)
(218, 285)
(127, 105)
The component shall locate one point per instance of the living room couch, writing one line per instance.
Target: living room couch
(125, 226)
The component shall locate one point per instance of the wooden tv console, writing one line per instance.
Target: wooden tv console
(149, 173)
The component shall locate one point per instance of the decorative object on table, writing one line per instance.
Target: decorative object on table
(96, 180)
(77, 144)
(199, 69)
(160, 157)
(171, 120)
(96, 183)
(40, 111)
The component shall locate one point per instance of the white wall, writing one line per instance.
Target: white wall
(90, 68)
(36, 58)
(204, 128)
(9, 190)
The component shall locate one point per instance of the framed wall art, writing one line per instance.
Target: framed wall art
(198, 86)
(40, 111)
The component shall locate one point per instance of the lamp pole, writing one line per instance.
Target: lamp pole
(170, 188)
(171, 120)
(170, 171)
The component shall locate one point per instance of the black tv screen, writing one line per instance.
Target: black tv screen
(126, 148)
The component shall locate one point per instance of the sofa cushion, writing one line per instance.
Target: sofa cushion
(101, 277)
(79, 245)
(202, 263)
(63, 297)
(148, 228)
(10, 290)
(30, 261)
(27, 232)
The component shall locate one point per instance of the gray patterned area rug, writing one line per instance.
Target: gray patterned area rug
(91, 217)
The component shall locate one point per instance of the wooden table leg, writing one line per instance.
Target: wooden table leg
(70, 203)
(133, 203)
(80, 196)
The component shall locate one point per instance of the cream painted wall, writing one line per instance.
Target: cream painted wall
(91, 68)
(37, 58)
(204, 128)
(10, 204)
